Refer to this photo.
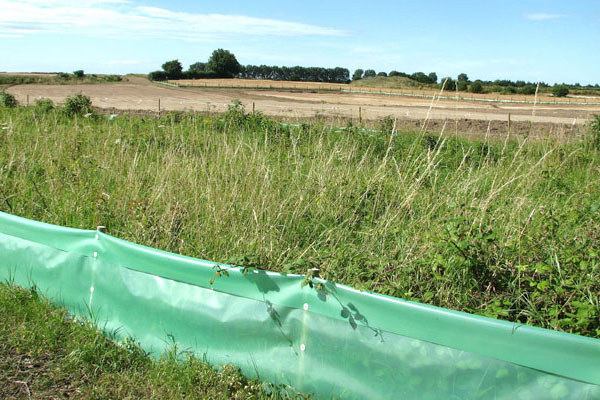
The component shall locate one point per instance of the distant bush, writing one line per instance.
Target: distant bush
(43, 105)
(358, 74)
(382, 74)
(8, 100)
(527, 89)
(462, 86)
(112, 78)
(448, 84)
(560, 91)
(370, 73)
(79, 73)
(64, 75)
(157, 76)
(77, 105)
(476, 87)
(594, 132)
(199, 75)
(462, 78)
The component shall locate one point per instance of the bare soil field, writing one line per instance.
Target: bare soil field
(138, 94)
(270, 84)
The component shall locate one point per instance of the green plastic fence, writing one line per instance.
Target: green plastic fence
(336, 342)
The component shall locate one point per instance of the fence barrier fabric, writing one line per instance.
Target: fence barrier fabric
(329, 340)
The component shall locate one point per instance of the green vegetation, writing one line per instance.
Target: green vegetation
(507, 229)
(56, 79)
(389, 82)
(43, 105)
(560, 91)
(223, 63)
(476, 87)
(8, 100)
(46, 354)
(77, 105)
(462, 83)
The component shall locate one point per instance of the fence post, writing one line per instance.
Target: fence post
(509, 123)
(360, 115)
(27, 100)
(159, 106)
(253, 107)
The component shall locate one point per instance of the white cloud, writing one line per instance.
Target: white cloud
(118, 18)
(543, 16)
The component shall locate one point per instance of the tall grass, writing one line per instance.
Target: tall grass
(503, 228)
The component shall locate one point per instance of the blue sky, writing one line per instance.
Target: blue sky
(551, 41)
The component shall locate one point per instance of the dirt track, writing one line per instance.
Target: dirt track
(139, 94)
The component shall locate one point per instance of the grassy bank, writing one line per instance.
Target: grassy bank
(45, 355)
(507, 229)
(55, 79)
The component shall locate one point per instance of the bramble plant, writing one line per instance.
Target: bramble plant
(560, 91)
(43, 105)
(594, 131)
(8, 100)
(77, 105)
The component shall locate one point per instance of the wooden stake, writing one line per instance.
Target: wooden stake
(27, 100)
(509, 123)
(159, 106)
(253, 107)
(360, 115)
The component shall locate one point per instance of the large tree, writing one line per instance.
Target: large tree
(198, 67)
(173, 69)
(370, 73)
(358, 74)
(224, 63)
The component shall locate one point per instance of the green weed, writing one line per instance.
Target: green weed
(502, 228)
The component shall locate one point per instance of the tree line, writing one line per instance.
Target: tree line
(223, 64)
(297, 73)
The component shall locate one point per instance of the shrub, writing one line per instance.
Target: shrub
(381, 74)
(64, 75)
(448, 83)
(560, 91)
(157, 76)
(462, 86)
(43, 105)
(8, 100)
(370, 73)
(358, 74)
(77, 105)
(527, 89)
(476, 87)
(594, 131)
(199, 75)
(79, 73)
